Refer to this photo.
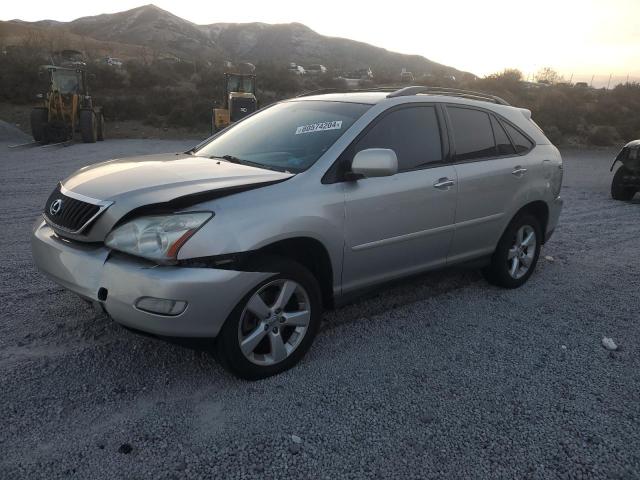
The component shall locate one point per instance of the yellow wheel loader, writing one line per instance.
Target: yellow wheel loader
(239, 100)
(67, 108)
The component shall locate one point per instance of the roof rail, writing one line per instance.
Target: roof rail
(452, 92)
(321, 91)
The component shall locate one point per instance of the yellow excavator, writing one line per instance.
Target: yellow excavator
(239, 100)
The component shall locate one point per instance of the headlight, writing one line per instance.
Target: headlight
(157, 237)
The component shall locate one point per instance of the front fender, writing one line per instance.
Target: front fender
(253, 220)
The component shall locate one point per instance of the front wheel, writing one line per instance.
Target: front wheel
(39, 120)
(274, 325)
(88, 126)
(100, 127)
(517, 253)
(618, 190)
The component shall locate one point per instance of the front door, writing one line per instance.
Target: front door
(400, 224)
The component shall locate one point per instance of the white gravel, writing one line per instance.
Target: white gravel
(439, 377)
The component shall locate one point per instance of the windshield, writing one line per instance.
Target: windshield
(237, 83)
(289, 136)
(66, 81)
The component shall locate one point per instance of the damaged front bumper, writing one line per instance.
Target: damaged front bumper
(120, 282)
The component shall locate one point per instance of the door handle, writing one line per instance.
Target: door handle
(519, 171)
(444, 183)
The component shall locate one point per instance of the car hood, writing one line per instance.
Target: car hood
(169, 180)
(164, 176)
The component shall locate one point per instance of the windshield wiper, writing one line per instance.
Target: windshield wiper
(241, 161)
(232, 159)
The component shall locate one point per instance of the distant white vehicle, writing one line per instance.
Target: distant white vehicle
(114, 62)
(297, 69)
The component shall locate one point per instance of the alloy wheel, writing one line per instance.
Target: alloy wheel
(522, 252)
(274, 322)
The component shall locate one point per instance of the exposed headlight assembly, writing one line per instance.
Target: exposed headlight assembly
(157, 237)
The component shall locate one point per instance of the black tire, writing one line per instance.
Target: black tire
(498, 271)
(100, 130)
(39, 120)
(228, 342)
(618, 191)
(88, 126)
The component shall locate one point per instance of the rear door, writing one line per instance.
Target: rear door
(491, 174)
(403, 223)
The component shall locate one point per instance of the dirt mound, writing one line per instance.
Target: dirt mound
(11, 133)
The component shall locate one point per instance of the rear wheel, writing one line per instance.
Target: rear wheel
(88, 126)
(517, 253)
(39, 120)
(100, 129)
(618, 190)
(274, 325)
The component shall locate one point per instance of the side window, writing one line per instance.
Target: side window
(413, 133)
(503, 144)
(472, 133)
(520, 142)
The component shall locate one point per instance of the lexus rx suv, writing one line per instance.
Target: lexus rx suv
(248, 236)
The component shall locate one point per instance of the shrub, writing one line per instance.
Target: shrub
(554, 134)
(603, 135)
(123, 107)
(182, 93)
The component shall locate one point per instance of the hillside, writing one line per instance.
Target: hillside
(149, 30)
(294, 42)
(151, 27)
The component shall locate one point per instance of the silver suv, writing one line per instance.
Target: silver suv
(298, 207)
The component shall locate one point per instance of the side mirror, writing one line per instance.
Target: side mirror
(375, 162)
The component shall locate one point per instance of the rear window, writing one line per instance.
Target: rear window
(472, 133)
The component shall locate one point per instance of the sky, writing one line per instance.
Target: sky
(579, 39)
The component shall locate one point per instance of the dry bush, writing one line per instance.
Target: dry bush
(181, 94)
(603, 136)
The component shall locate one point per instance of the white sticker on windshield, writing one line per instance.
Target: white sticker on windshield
(319, 127)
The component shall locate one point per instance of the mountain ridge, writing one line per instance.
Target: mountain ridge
(160, 33)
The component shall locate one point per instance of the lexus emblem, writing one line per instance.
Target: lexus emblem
(55, 207)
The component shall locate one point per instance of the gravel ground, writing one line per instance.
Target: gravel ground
(442, 376)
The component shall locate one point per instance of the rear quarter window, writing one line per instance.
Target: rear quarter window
(503, 144)
(521, 143)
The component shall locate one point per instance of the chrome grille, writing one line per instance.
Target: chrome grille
(66, 212)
